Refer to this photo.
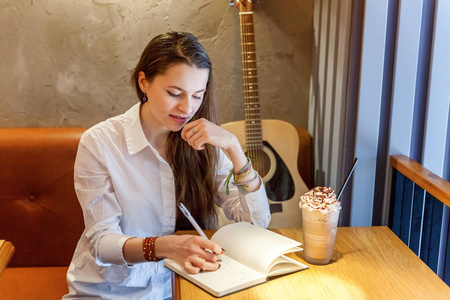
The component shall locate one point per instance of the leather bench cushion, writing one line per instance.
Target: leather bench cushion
(41, 215)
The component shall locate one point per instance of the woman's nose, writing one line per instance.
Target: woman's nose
(185, 105)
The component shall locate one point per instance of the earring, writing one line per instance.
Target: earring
(144, 99)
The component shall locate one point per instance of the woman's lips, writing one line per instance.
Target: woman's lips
(178, 119)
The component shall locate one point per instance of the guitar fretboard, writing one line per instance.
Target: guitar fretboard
(252, 111)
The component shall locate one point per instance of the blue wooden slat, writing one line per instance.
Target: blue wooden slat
(444, 240)
(405, 222)
(397, 209)
(436, 229)
(426, 232)
(446, 276)
(416, 220)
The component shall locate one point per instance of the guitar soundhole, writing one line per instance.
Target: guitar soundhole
(260, 161)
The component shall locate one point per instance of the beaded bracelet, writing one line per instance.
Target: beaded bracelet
(149, 248)
(242, 173)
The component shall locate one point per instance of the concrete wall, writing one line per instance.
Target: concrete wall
(67, 63)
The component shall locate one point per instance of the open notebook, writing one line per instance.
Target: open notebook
(253, 254)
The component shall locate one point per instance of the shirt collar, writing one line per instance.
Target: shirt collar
(134, 135)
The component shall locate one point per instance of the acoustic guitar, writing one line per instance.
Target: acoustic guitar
(272, 145)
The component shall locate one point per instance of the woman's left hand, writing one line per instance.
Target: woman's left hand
(200, 132)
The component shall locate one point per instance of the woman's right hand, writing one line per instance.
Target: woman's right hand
(190, 251)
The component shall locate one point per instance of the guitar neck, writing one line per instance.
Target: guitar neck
(252, 111)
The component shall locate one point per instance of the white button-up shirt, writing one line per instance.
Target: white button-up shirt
(126, 189)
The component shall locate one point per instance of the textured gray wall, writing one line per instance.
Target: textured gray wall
(67, 63)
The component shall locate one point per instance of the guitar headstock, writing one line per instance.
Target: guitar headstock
(243, 5)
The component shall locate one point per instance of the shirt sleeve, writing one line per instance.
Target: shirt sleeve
(251, 207)
(101, 210)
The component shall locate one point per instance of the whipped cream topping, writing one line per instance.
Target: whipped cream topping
(320, 198)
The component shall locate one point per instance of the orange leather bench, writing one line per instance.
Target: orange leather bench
(40, 213)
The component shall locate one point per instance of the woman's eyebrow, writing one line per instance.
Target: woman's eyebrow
(175, 87)
(180, 89)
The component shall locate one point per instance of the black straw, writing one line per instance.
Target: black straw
(348, 177)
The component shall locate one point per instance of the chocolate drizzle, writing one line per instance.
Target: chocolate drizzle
(321, 198)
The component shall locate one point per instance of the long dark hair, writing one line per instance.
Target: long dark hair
(194, 171)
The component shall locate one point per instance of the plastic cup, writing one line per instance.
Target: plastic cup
(319, 235)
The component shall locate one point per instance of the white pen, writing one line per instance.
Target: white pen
(188, 215)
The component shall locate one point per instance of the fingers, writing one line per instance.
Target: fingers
(190, 268)
(190, 129)
(195, 135)
(195, 254)
(205, 249)
(200, 132)
(187, 134)
(198, 266)
(204, 256)
(196, 141)
(209, 245)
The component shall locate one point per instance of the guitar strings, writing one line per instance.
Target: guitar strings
(251, 93)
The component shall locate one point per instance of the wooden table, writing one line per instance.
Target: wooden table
(6, 252)
(368, 263)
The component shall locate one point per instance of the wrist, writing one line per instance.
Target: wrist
(160, 247)
(234, 147)
(237, 156)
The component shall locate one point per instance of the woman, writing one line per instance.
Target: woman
(132, 170)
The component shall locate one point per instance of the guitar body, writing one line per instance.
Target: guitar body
(282, 181)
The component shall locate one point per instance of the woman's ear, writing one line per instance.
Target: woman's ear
(143, 83)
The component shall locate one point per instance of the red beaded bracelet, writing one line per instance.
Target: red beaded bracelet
(149, 248)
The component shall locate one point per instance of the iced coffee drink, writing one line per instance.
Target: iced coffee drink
(320, 215)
